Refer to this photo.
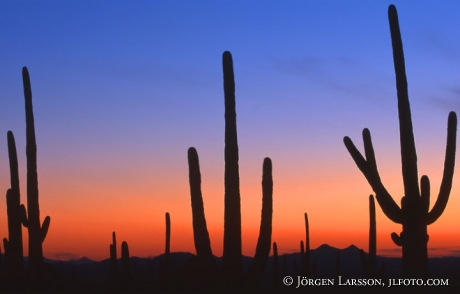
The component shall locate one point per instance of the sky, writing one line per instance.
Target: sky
(122, 90)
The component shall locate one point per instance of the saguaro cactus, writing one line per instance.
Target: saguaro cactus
(37, 231)
(369, 266)
(113, 257)
(16, 214)
(200, 231)
(232, 256)
(168, 240)
(306, 257)
(166, 265)
(265, 232)
(125, 272)
(414, 213)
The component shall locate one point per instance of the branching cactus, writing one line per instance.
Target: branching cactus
(369, 266)
(414, 213)
(232, 267)
(16, 214)
(37, 231)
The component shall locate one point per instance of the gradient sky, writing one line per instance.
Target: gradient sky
(122, 90)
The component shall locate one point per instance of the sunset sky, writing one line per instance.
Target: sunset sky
(122, 90)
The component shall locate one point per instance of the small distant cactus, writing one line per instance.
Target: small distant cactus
(305, 258)
(165, 266)
(414, 213)
(113, 257)
(125, 270)
(168, 242)
(369, 266)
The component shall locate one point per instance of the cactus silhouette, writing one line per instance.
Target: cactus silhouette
(305, 258)
(263, 243)
(414, 213)
(113, 257)
(37, 232)
(125, 271)
(16, 214)
(168, 241)
(369, 266)
(232, 257)
(200, 231)
(232, 263)
(165, 267)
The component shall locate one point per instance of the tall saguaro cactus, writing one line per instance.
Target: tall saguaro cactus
(414, 213)
(37, 231)
(232, 256)
(16, 214)
(232, 267)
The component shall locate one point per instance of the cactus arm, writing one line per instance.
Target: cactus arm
(44, 228)
(408, 152)
(265, 233)
(6, 245)
(449, 164)
(396, 239)
(13, 159)
(425, 193)
(23, 214)
(200, 230)
(369, 169)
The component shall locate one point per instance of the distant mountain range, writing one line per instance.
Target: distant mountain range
(324, 256)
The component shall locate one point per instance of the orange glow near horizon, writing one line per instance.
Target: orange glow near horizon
(333, 220)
